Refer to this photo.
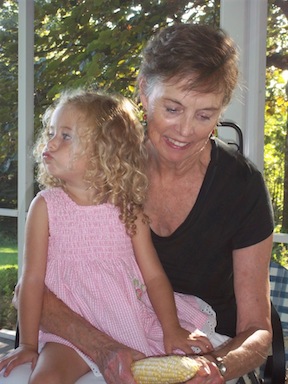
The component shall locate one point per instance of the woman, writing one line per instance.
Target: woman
(210, 213)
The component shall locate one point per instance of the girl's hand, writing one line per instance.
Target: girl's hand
(180, 338)
(23, 354)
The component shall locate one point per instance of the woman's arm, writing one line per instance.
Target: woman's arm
(250, 347)
(112, 358)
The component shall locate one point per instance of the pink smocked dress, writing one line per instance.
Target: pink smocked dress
(92, 268)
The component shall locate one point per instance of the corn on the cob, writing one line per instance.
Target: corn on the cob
(164, 369)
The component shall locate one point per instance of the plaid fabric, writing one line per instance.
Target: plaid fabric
(279, 296)
(279, 292)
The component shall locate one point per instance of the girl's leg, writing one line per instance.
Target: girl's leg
(58, 364)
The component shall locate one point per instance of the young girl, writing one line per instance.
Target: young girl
(83, 230)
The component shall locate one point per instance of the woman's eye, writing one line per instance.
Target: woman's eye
(50, 135)
(204, 117)
(171, 110)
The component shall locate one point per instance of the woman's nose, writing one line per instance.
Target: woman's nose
(185, 127)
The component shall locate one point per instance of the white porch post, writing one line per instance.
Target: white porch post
(25, 115)
(246, 23)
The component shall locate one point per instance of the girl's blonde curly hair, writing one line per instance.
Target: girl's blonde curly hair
(113, 140)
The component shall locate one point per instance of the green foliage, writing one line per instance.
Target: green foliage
(8, 280)
(8, 258)
(276, 114)
(277, 54)
(8, 255)
(280, 254)
(8, 231)
(8, 105)
(275, 150)
(87, 43)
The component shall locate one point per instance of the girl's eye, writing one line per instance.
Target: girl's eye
(50, 135)
(66, 136)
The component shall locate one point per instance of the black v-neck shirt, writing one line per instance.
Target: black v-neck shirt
(232, 211)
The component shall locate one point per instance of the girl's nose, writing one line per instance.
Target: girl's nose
(52, 144)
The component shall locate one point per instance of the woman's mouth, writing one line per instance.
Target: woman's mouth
(176, 143)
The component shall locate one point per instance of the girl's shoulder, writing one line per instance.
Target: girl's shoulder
(38, 206)
(52, 193)
(54, 197)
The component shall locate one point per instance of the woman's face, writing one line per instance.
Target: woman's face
(180, 122)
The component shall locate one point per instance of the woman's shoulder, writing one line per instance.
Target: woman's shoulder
(231, 159)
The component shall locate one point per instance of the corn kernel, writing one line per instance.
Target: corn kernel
(164, 369)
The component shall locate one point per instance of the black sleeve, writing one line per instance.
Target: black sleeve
(255, 219)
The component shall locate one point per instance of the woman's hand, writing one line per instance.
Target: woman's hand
(23, 354)
(208, 372)
(115, 363)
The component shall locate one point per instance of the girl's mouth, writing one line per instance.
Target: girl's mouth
(46, 155)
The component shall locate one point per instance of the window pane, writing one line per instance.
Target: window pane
(8, 104)
(276, 115)
(8, 240)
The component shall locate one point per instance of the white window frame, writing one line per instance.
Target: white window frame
(25, 120)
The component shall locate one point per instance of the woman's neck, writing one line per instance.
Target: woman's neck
(196, 163)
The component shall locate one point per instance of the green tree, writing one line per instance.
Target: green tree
(276, 128)
(8, 105)
(99, 42)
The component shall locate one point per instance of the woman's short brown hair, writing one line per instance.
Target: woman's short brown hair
(205, 56)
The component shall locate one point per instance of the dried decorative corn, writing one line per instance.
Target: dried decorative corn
(164, 369)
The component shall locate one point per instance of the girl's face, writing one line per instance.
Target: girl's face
(62, 155)
(180, 122)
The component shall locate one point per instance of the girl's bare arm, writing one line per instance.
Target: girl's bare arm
(32, 287)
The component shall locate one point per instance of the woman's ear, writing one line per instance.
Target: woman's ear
(142, 95)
